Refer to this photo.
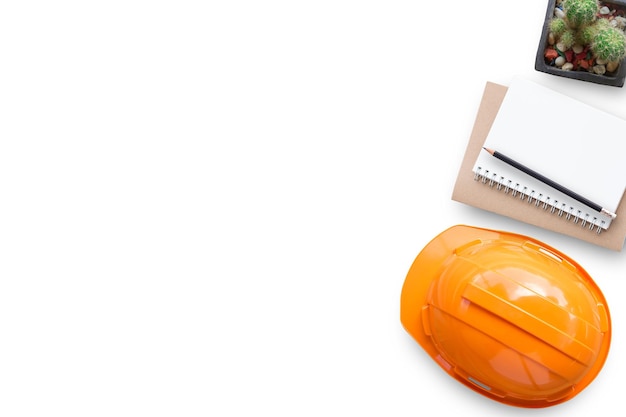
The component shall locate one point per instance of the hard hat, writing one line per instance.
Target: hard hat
(506, 315)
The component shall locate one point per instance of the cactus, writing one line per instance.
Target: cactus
(609, 44)
(580, 12)
(558, 26)
(567, 39)
(580, 16)
(585, 35)
(602, 23)
(582, 28)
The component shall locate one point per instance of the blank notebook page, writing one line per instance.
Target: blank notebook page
(572, 143)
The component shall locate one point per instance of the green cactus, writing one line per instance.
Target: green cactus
(567, 39)
(580, 12)
(602, 24)
(585, 35)
(558, 26)
(609, 44)
(583, 26)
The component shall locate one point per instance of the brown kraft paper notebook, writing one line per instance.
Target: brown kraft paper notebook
(476, 194)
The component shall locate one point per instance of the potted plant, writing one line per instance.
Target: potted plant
(585, 40)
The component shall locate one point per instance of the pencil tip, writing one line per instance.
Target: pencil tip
(488, 150)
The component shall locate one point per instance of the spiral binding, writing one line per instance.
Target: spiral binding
(540, 200)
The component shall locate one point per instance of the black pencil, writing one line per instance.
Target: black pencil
(551, 183)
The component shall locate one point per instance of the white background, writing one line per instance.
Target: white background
(209, 208)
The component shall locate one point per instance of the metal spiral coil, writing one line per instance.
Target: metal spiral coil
(540, 200)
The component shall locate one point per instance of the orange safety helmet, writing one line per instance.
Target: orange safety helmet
(507, 315)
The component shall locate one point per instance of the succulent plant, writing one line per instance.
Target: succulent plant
(586, 34)
(580, 12)
(581, 25)
(567, 39)
(609, 44)
(558, 26)
(580, 20)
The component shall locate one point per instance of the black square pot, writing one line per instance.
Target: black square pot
(615, 79)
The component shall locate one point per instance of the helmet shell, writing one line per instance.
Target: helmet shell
(506, 315)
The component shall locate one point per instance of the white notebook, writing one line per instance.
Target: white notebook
(573, 144)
